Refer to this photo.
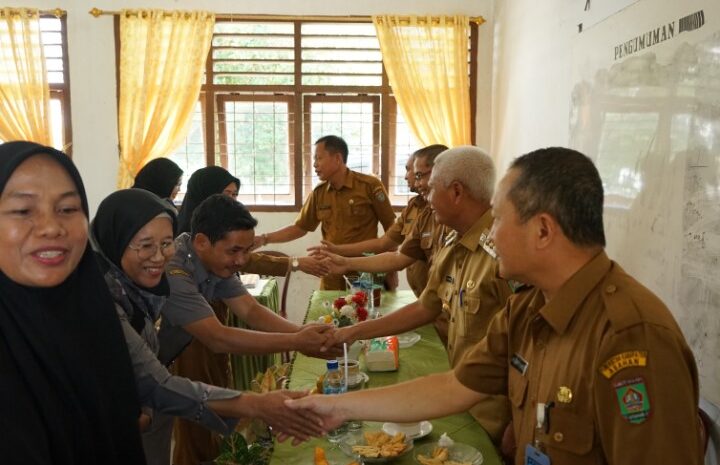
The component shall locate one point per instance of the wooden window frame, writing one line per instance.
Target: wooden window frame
(221, 100)
(301, 156)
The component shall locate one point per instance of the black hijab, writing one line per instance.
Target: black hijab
(121, 215)
(202, 184)
(68, 389)
(159, 176)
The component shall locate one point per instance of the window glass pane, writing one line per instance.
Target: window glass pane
(258, 150)
(405, 144)
(353, 121)
(190, 156)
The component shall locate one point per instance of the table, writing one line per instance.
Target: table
(425, 357)
(245, 367)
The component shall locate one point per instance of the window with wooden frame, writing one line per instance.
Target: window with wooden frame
(53, 34)
(272, 88)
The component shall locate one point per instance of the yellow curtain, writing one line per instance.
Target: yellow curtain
(427, 65)
(162, 59)
(24, 90)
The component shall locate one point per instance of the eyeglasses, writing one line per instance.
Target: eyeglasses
(150, 249)
(419, 174)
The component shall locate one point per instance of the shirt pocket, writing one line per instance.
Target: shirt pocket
(445, 293)
(517, 388)
(360, 207)
(324, 214)
(426, 241)
(570, 432)
(470, 322)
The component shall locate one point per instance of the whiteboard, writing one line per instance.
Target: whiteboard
(650, 119)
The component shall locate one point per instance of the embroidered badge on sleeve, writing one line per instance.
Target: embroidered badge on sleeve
(633, 399)
(633, 358)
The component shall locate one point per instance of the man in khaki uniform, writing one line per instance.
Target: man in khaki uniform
(425, 239)
(403, 227)
(463, 282)
(596, 367)
(348, 205)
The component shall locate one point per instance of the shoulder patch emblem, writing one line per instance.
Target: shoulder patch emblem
(380, 196)
(633, 358)
(633, 399)
(488, 244)
(178, 272)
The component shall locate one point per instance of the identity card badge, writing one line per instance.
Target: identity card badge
(534, 457)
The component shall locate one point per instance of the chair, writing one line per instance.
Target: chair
(710, 418)
(285, 356)
(286, 282)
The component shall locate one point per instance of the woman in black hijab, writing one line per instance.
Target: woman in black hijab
(160, 176)
(133, 235)
(67, 385)
(202, 184)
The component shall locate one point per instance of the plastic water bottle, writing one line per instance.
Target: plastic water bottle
(333, 383)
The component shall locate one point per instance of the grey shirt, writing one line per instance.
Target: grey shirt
(191, 288)
(157, 388)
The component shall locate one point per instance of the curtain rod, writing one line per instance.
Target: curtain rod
(57, 12)
(344, 19)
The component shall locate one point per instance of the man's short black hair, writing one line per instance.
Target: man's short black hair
(430, 153)
(218, 215)
(565, 184)
(335, 144)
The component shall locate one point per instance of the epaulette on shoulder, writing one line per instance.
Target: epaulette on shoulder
(620, 306)
(179, 272)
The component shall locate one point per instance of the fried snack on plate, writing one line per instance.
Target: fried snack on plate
(320, 456)
(381, 444)
(439, 457)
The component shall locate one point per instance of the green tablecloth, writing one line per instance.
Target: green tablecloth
(425, 357)
(245, 367)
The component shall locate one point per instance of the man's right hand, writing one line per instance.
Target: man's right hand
(325, 246)
(312, 340)
(340, 336)
(323, 406)
(271, 408)
(334, 263)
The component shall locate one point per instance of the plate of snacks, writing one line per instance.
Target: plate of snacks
(447, 452)
(375, 446)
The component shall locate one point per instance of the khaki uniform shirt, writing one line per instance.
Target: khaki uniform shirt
(417, 272)
(463, 283)
(609, 356)
(349, 214)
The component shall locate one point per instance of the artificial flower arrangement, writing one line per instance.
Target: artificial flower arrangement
(347, 310)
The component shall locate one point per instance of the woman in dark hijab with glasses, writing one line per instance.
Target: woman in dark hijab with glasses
(133, 235)
(160, 176)
(66, 378)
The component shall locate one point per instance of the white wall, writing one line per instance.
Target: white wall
(539, 56)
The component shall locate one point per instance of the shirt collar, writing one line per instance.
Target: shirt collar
(190, 259)
(563, 307)
(349, 179)
(471, 239)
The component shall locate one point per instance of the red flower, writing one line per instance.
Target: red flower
(361, 313)
(339, 302)
(359, 298)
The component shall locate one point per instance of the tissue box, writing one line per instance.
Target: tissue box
(383, 354)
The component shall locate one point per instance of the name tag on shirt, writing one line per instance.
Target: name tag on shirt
(519, 363)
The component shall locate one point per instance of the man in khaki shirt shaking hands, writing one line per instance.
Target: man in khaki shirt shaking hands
(596, 368)
(347, 204)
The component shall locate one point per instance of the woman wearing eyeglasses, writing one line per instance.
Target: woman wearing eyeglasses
(133, 236)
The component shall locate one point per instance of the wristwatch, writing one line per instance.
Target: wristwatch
(294, 264)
